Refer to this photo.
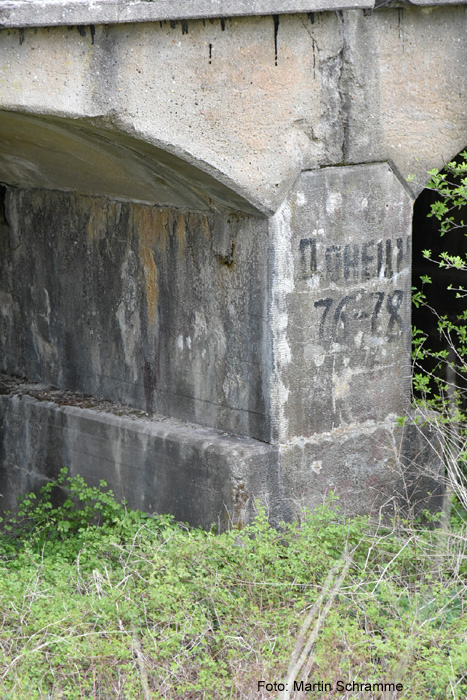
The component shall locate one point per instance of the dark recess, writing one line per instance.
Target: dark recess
(426, 236)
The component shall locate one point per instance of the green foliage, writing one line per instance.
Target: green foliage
(99, 601)
(451, 185)
(67, 515)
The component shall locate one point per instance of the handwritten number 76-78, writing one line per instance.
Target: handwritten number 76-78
(338, 314)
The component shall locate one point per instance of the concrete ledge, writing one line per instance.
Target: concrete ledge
(204, 476)
(45, 13)
(166, 466)
(430, 3)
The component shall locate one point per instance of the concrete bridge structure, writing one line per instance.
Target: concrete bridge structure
(206, 244)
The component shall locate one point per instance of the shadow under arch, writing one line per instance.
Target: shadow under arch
(78, 155)
(130, 275)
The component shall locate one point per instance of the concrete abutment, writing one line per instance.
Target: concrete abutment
(206, 260)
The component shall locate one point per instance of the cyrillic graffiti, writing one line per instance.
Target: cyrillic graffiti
(353, 262)
(377, 313)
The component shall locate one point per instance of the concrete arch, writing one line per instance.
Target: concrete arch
(213, 97)
(248, 102)
(46, 151)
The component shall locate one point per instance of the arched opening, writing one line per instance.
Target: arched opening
(441, 298)
(132, 290)
(129, 274)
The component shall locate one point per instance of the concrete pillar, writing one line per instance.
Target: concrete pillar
(340, 316)
(340, 300)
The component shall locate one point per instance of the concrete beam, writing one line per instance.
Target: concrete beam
(47, 13)
(247, 102)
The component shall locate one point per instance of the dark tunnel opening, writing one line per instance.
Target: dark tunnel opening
(441, 297)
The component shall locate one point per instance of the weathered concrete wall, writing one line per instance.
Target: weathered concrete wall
(167, 310)
(161, 309)
(200, 475)
(294, 331)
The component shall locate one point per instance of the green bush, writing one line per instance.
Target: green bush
(99, 601)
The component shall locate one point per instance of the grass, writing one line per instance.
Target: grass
(98, 601)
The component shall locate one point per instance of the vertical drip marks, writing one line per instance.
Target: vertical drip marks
(276, 30)
(82, 31)
(400, 25)
(3, 218)
(222, 21)
(313, 44)
(184, 24)
(210, 53)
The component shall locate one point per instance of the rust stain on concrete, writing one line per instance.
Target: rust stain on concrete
(205, 228)
(180, 232)
(148, 223)
(97, 222)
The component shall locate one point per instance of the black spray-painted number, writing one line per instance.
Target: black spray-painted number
(345, 312)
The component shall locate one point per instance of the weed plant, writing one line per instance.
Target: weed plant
(98, 601)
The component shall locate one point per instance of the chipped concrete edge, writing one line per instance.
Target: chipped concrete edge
(46, 13)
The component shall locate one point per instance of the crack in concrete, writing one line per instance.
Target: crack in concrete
(329, 67)
(341, 89)
(314, 45)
